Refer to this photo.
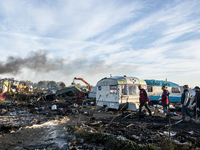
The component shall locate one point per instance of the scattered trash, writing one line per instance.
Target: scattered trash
(158, 106)
(136, 137)
(13, 113)
(121, 137)
(191, 132)
(177, 113)
(42, 108)
(179, 143)
(75, 105)
(54, 107)
(166, 133)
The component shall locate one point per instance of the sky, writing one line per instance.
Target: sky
(91, 39)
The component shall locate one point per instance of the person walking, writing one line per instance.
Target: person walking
(165, 99)
(185, 101)
(144, 99)
(197, 101)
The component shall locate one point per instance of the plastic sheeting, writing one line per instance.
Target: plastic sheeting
(71, 91)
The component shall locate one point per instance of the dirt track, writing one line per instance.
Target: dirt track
(50, 132)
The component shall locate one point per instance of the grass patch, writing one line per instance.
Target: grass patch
(166, 145)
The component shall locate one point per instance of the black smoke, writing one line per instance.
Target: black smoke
(35, 60)
(39, 62)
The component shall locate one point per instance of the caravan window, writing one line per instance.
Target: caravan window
(175, 90)
(113, 89)
(133, 90)
(149, 89)
(123, 90)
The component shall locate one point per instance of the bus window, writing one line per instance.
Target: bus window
(149, 89)
(175, 90)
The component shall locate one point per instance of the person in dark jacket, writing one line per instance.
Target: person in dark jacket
(165, 99)
(197, 101)
(185, 101)
(144, 99)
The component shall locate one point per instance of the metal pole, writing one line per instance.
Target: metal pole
(169, 121)
(2, 82)
(116, 115)
(113, 118)
(7, 111)
(96, 104)
(81, 111)
(47, 106)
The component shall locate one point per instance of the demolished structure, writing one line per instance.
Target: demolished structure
(70, 103)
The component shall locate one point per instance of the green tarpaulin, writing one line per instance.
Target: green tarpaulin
(70, 91)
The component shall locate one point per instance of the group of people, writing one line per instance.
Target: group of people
(185, 101)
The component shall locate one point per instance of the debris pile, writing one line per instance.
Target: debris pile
(37, 109)
(149, 129)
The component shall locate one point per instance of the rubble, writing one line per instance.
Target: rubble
(37, 108)
(46, 109)
(147, 130)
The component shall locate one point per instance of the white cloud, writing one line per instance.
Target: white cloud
(158, 40)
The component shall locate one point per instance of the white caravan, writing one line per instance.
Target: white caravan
(119, 92)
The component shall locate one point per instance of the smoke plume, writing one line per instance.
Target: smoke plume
(36, 61)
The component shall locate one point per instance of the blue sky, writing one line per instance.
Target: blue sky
(149, 39)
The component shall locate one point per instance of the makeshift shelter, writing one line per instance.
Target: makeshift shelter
(72, 91)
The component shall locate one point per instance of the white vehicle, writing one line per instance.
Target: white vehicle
(119, 92)
(92, 93)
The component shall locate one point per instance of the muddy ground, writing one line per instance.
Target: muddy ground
(123, 125)
(150, 129)
(52, 131)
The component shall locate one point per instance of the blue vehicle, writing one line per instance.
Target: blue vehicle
(154, 90)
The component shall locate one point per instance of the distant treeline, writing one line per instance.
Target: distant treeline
(44, 84)
(49, 84)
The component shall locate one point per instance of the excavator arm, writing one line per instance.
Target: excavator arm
(84, 82)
